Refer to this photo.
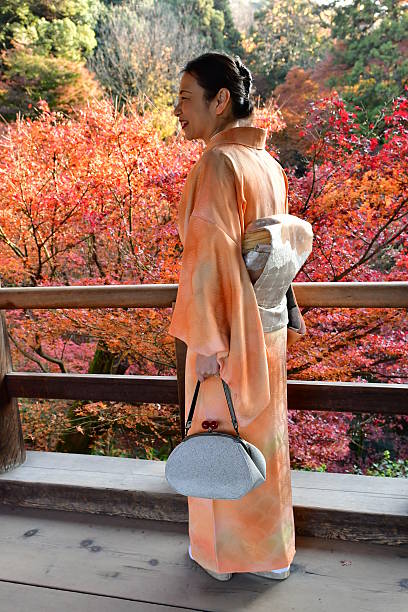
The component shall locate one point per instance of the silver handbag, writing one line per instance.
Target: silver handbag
(212, 464)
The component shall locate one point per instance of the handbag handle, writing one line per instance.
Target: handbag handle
(229, 402)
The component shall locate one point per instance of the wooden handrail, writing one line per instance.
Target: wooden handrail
(302, 395)
(393, 294)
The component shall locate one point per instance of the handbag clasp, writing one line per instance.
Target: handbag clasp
(210, 425)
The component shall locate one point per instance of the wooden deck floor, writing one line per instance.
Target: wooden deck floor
(53, 561)
(344, 506)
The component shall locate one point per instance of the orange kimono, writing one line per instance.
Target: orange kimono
(235, 182)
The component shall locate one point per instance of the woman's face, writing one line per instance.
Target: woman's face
(198, 117)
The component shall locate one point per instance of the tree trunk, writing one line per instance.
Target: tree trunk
(103, 362)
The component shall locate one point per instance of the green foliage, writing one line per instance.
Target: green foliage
(285, 33)
(105, 446)
(391, 468)
(321, 468)
(63, 28)
(232, 39)
(386, 467)
(44, 44)
(371, 45)
(28, 78)
(212, 18)
(158, 454)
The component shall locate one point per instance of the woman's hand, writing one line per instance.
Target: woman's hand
(206, 366)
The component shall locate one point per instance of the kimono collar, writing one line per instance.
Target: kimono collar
(248, 136)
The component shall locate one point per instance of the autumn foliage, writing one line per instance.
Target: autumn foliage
(355, 195)
(92, 199)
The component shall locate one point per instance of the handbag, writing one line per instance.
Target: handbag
(213, 464)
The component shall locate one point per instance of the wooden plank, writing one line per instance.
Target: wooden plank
(352, 294)
(148, 562)
(94, 485)
(118, 388)
(344, 506)
(302, 395)
(18, 597)
(379, 398)
(93, 296)
(392, 294)
(12, 449)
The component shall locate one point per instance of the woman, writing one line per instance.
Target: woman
(234, 183)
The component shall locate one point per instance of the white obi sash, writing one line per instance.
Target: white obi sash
(278, 263)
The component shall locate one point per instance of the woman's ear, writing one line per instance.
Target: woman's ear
(222, 99)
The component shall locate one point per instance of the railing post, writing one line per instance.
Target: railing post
(12, 448)
(181, 352)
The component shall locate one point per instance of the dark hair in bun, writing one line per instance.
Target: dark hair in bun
(214, 71)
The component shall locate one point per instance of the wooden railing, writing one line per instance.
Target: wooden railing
(302, 395)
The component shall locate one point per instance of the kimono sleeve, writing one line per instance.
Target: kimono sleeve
(216, 310)
(209, 278)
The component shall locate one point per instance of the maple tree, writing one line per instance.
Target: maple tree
(92, 199)
(355, 195)
(87, 201)
(293, 96)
